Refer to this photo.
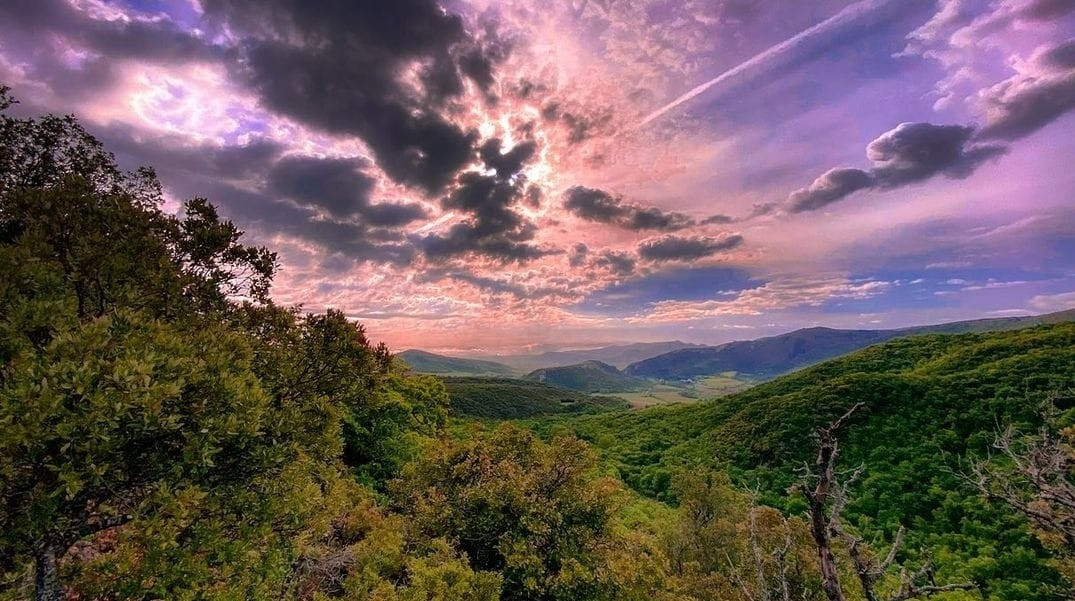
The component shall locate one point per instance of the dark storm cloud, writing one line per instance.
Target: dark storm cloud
(172, 153)
(579, 123)
(600, 206)
(912, 152)
(619, 262)
(493, 228)
(831, 186)
(337, 68)
(287, 202)
(579, 252)
(340, 187)
(271, 216)
(677, 248)
(718, 219)
(1021, 105)
(337, 185)
(917, 151)
(506, 164)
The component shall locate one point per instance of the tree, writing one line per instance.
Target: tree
(65, 203)
(1035, 475)
(533, 512)
(723, 545)
(826, 497)
(160, 418)
(123, 383)
(109, 413)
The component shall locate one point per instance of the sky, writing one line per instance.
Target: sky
(504, 176)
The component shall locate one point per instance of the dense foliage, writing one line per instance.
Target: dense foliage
(165, 430)
(929, 401)
(506, 398)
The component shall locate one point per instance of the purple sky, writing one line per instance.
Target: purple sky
(495, 176)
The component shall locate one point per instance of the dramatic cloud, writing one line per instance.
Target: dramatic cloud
(493, 229)
(1039, 94)
(506, 164)
(579, 252)
(831, 186)
(676, 248)
(413, 162)
(339, 68)
(355, 241)
(912, 152)
(620, 263)
(340, 187)
(600, 206)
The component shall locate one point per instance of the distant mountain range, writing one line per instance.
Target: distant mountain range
(776, 355)
(619, 368)
(619, 356)
(588, 376)
(429, 363)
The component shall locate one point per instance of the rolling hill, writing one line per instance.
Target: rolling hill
(776, 355)
(429, 363)
(588, 376)
(932, 402)
(508, 398)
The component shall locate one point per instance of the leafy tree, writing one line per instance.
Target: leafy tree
(721, 545)
(530, 511)
(366, 553)
(125, 387)
(1035, 475)
(65, 203)
(165, 430)
(108, 413)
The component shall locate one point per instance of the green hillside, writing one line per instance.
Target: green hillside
(588, 376)
(931, 401)
(430, 363)
(777, 355)
(507, 398)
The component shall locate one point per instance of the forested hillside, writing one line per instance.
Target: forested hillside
(589, 376)
(509, 398)
(930, 403)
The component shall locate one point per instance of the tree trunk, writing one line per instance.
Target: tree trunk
(819, 529)
(46, 576)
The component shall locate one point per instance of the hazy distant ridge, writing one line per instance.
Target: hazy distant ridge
(776, 355)
(618, 356)
(430, 363)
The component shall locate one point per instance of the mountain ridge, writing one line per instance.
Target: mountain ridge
(431, 363)
(772, 356)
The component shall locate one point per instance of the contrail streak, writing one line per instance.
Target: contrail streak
(848, 15)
